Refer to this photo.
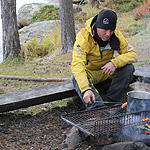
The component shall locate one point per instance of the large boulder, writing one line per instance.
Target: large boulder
(26, 12)
(38, 29)
(126, 146)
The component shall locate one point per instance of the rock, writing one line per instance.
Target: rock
(73, 138)
(77, 8)
(80, 2)
(21, 23)
(126, 146)
(38, 29)
(26, 11)
(54, 3)
(144, 138)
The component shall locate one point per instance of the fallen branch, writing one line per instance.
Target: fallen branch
(34, 79)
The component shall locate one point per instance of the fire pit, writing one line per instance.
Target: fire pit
(101, 122)
(113, 123)
(85, 120)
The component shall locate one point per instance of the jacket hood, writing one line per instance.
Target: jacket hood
(89, 25)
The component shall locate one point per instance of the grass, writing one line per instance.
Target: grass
(57, 67)
(142, 62)
(127, 22)
(123, 5)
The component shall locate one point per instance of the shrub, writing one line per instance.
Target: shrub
(48, 12)
(36, 49)
(143, 10)
(2, 91)
(123, 5)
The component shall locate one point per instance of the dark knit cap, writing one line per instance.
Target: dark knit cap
(106, 19)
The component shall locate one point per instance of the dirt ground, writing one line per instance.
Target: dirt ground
(43, 131)
(23, 132)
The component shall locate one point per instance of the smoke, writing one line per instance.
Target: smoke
(133, 125)
(142, 79)
(141, 86)
(134, 121)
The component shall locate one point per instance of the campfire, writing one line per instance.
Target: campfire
(103, 123)
(100, 122)
(146, 123)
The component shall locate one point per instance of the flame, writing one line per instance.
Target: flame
(128, 118)
(146, 123)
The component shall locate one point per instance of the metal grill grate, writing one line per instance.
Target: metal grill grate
(98, 122)
(118, 122)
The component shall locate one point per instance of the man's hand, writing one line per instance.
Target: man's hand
(109, 68)
(88, 95)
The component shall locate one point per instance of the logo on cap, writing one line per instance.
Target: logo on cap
(105, 21)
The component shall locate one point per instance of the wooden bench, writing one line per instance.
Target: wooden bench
(52, 92)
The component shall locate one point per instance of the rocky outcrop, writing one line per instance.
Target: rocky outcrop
(26, 12)
(126, 146)
(76, 139)
(38, 29)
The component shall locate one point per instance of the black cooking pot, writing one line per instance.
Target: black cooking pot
(138, 101)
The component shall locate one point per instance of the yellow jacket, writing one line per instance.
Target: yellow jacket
(88, 59)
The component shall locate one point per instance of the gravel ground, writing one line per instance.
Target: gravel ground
(22, 132)
(43, 131)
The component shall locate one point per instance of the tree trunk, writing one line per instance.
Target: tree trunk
(11, 41)
(67, 26)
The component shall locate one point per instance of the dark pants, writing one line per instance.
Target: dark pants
(122, 79)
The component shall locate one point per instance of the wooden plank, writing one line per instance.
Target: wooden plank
(35, 96)
(51, 92)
